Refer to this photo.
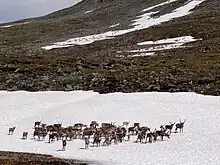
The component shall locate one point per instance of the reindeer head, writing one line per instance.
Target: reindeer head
(182, 122)
(172, 124)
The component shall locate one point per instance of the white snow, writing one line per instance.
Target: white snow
(16, 24)
(164, 44)
(183, 39)
(161, 4)
(89, 11)
(114, 25)
(142, 22)
(142, 54)
(199, 144)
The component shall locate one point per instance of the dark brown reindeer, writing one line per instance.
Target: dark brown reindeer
(169, 127)
(180, 126)
(149, 137)
(140, 137)
(37, 123)
(86, 142)
(94, 124)
(97, 140)
(57, 126)
(162, 133)
(52, 137)
(24, 136)
(11, 130)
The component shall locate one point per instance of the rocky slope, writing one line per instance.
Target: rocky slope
(24, 65)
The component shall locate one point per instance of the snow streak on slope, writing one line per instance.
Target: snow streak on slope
(199, 144)
(143, 21)
(16, 24)
(164, 44)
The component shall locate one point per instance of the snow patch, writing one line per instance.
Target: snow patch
(89, 11)
(164, 44)
(182, 40)
(114, 25)
(16, 24)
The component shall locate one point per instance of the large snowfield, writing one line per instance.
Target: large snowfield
(198, 145)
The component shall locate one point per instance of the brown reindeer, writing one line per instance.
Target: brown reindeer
(162, 133)
(137, 125)
(50, 128)
(37, 123)
(169, 127)
(125, 123)
(149, 137)
(180, 126)
(131, 130)
(11, 130)
(57, 126)
(94, 124)
(24, 136)
(52, 137)
(97, 140)
(88, 132)
(107, 141)
(140, 137)
(86, 142)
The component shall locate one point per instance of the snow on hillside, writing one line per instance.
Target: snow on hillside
(163, 44)
(198, 145)
(16, 24)
(142, 22)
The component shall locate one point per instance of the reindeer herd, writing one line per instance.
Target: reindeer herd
(103, 134)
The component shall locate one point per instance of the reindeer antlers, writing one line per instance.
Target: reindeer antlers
(183, 121)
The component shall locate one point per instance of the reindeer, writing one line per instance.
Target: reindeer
(97, 140)
(162, 133)
(140, 137)
(88, 132)
(50, 128)
(11, 130)
(52, 137)
(37, 123)
(180, 126)
(107, 141)
(149, 137)
(169, 127)
(107, 125)
(57, 126)
(78, 125)
(24, 135)
(94, 124)
(86, 142)
(136, 125)
(131, 130)
(125, 123)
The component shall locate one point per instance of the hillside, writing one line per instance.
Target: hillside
(106, 65)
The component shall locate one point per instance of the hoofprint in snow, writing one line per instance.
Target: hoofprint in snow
(142, 22)
(199, 144)
(164, 44)
(15, 24)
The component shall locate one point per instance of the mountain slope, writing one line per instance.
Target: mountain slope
(99, 66)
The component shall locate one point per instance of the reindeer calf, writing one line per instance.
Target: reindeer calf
(11, 130)
(25, 135)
